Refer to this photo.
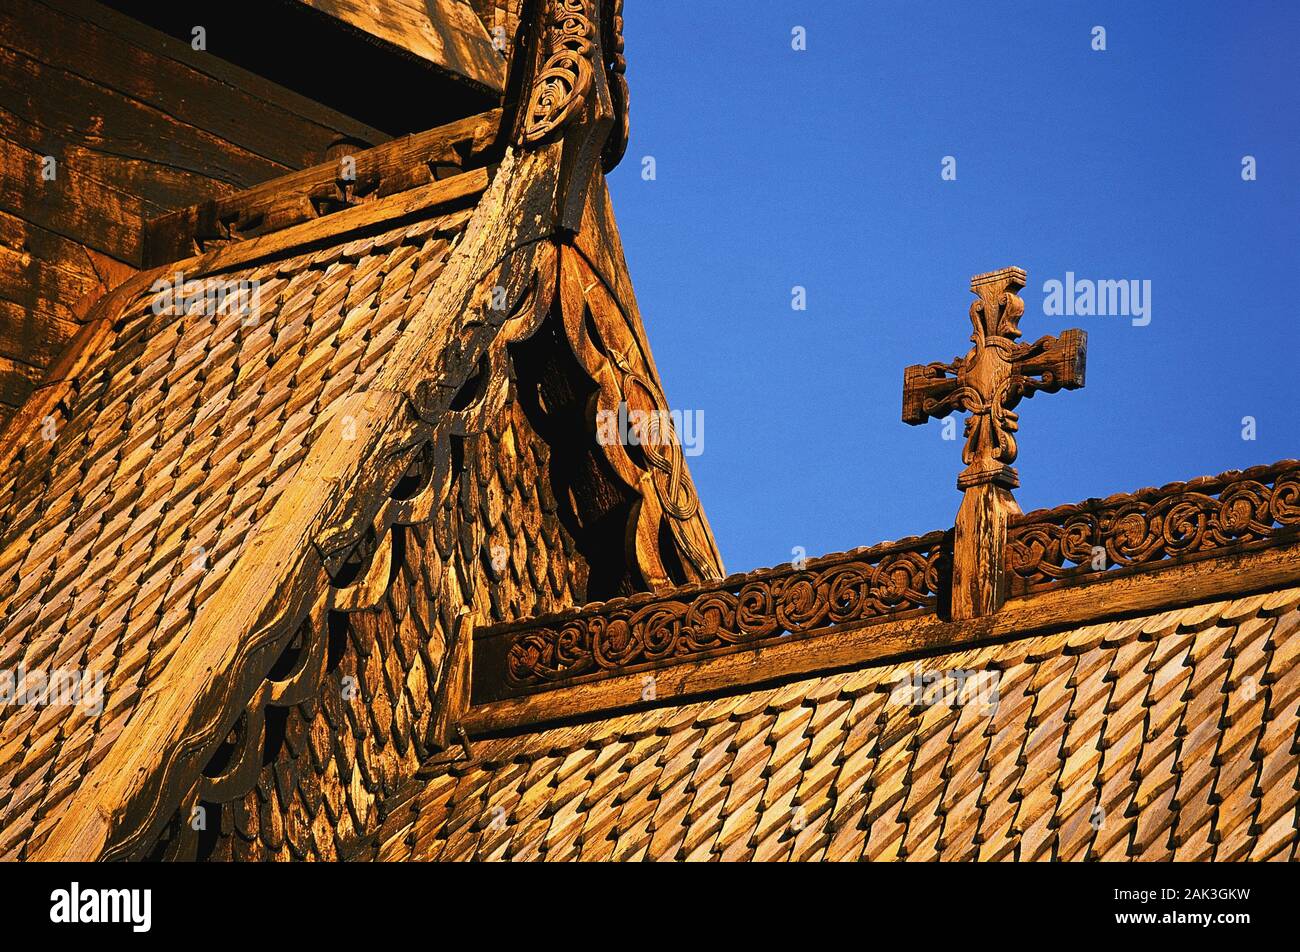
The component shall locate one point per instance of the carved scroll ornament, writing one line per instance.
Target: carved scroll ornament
(561, 86)
(581, 57)
(622, 635)
(603, 337)
(1178, 521)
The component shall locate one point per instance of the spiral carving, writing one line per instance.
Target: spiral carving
(1178, 521)
(562, 85)
(1213, 514)
(838, 590)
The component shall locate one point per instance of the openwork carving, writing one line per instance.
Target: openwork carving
(604, 337)
(622, 635)
(1178, 521)
(564, 81)
(1236, 511)
(993, 377)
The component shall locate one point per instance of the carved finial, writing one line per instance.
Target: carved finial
(988, 383)
(576, 93)
(563, 82)
(581, 56)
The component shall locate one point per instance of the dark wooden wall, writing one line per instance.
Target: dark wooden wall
(139, 124)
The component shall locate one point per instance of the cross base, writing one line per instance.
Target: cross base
(979, 576)
(981, 472)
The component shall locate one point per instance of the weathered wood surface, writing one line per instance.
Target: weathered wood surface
(1182, 525)
(342, 501)
(443, 33)
(263, 111)
(1157, 737)
(341, 484)
(980, 581)
(48, 388)
(139, 124)
(464, 187)
(1178, 522)
(241, 409)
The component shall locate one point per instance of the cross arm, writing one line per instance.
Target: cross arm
(929, 392)
(1051, 364)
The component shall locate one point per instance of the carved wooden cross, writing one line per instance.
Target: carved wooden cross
(988, 383)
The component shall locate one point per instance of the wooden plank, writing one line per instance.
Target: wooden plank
(73, 205)
(286, 109)
(1107, 598)
(17, 381)
(386, 210)
(52, 388)
(42, 271)
(31, 336)
(243, 625)
(443, 33)
(47, 285)
(47, 108)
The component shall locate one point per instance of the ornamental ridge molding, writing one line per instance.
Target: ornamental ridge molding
(1144, 531)
(683, 624)
(1180, 521)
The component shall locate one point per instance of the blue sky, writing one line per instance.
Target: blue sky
(821, 168)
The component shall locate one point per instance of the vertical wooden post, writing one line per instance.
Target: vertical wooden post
(979, 576)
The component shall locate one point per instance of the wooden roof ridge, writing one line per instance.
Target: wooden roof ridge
(1242, 576)
(325, 544)
(1266, 472)
(1209, 537)
(735, 579)
(350, 181)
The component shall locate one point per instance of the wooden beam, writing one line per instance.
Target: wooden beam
(445, 34)
(385, 211)
(242, 626)
(22, 427)
(201, 76)
(395, 166)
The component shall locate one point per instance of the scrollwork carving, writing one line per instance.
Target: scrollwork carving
(1152, 525)
(839, 590)
(616, 70)
(564, 80)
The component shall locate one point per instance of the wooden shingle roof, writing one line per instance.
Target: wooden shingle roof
(1165, 736)
(183, 432)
